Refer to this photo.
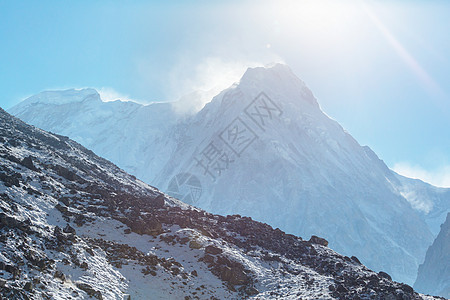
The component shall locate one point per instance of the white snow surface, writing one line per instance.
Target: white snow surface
(272, 154)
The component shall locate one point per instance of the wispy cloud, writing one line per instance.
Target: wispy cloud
(206, 79)
(438, 177)
(209, 77)
(108, 94)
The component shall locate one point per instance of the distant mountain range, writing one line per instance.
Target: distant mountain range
(262, 148)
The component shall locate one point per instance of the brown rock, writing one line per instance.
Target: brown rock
(233, 275)
(318, 240)
(158, 202)
(151, 226)
(213, 250)
(195, 245)
(28, 162)
(28, 286)
(209, 259)
(251, 291)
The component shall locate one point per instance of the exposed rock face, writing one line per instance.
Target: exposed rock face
(233, 275)
(28, 162)
(194, 245)
(317, 240)
(434, 274)
(158, 201)
(213, 250)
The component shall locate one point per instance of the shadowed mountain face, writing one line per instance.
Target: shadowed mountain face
(74, 225)
(263, 148)
(434, 274)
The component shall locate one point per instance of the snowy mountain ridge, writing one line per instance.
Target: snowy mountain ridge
(63, 97)
(294, 168)
(75, 226)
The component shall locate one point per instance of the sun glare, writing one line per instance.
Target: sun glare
(350, 31)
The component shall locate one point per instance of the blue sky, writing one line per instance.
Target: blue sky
(380, 68)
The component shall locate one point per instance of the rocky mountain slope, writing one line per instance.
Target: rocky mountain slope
(265, 149)
(74, 226)
(131, 135)
(434, 273)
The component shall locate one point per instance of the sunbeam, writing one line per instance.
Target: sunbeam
(404, 54)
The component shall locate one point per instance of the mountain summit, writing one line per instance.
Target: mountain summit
(264, 148)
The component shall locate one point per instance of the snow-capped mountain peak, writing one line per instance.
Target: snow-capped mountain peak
(264, 148)
(278, 79)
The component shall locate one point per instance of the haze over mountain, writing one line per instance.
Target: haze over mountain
(262, 148)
